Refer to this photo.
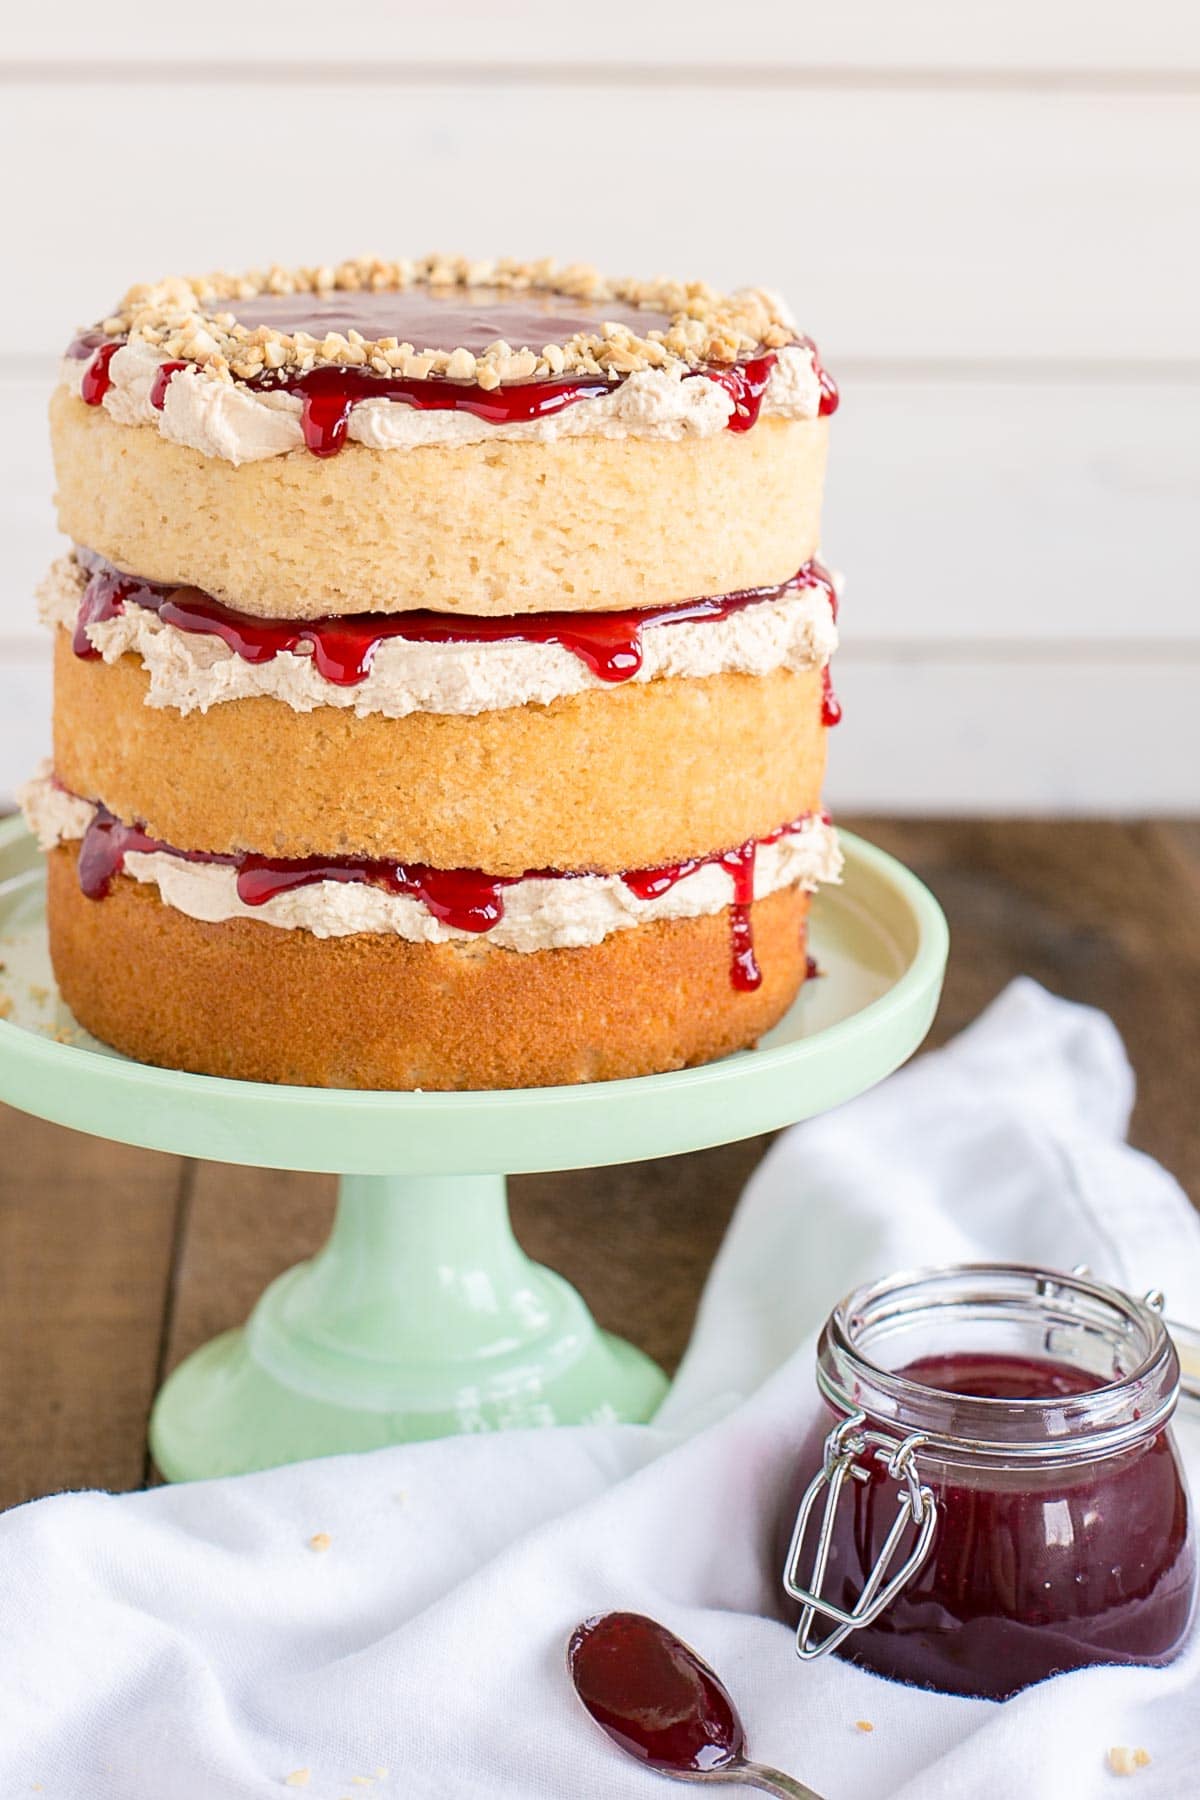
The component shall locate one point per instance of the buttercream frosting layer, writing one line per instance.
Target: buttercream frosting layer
(192, 671)
(540, 911)
(240, 424)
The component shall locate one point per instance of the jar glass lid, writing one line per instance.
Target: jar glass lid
(877, 1341)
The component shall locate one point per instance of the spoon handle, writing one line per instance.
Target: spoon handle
(768, 1781)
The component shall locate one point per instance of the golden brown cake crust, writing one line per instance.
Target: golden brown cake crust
(626, 778)
(252, 1001)
(581, 524)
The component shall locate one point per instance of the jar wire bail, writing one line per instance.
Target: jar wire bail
(849, 1452)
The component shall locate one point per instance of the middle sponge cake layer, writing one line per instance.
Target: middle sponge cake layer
(633, 777)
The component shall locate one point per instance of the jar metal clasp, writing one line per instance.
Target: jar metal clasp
(850, 1450)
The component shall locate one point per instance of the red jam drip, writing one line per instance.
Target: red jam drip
(653, 1695)
(812, 970)
(327, 396)
(108, 841)
(745, 974)
(745, 383)
(647, 884)
(343, 648)
(1029, 1574)
(466, 899)
(831, 706)
(96, 379)
(463, 898)
(161, 382)
(830, 397)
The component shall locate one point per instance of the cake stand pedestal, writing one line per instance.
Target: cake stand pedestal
(422, 1316)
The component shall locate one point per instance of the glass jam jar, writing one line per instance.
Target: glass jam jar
(999, 1497)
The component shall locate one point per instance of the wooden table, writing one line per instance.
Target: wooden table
(114, 1262)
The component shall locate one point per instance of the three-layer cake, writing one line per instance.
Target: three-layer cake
(441, 674)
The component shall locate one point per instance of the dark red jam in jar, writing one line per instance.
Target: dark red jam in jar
(999, 1498)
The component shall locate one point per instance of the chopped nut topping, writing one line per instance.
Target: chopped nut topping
(863, 1725)
(298, 1778)
(320, 1540)
(184, 319)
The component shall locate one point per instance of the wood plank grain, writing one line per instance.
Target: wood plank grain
(86, 1235)
(972, 225)
(1179, 842)
(874, 35)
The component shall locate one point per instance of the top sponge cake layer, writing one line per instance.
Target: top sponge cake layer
(583, 524)
(491, 438)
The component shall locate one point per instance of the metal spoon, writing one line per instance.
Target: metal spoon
(741, 1773)
(661, 1703)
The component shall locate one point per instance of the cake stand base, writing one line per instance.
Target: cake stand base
(421, 1316)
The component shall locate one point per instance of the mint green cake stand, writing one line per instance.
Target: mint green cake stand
(422, 1316)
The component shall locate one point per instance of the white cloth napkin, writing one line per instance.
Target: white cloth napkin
(188, 1644)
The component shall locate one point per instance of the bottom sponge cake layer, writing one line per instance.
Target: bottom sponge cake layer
(241, 998)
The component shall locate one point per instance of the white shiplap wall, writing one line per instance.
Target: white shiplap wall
(987, 217)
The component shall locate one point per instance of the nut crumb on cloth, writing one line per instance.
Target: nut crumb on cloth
(1124, 1761)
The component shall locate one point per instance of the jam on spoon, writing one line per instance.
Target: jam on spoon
(656, 1699)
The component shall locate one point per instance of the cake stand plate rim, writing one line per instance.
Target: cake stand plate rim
(510, 1131)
